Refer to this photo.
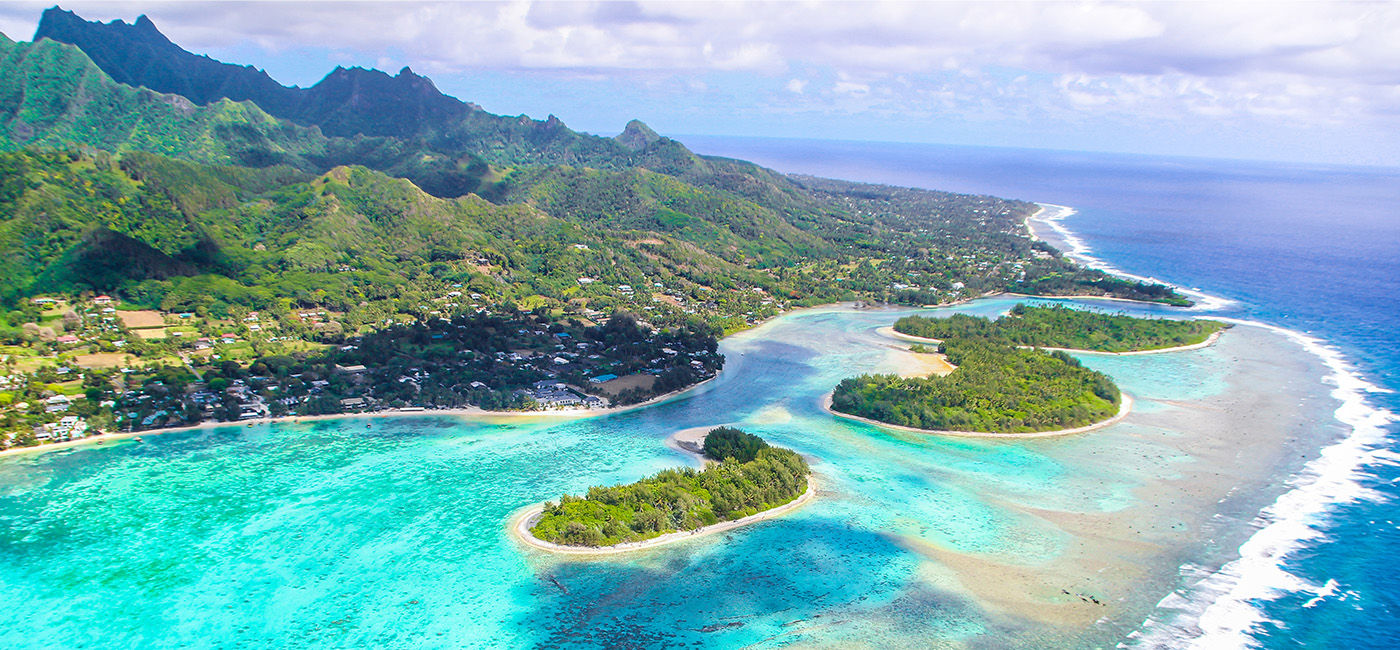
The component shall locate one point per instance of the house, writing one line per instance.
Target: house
(551, 393)
(67, 339)
(68, 428)
(102, 300)
(353, 403)
(602, 378)
(356, 369)
(57, 404)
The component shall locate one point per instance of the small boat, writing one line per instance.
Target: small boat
(138, 439)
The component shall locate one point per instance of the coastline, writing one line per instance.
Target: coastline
(1076, 250)
(890, 332)
(470, 412)
(523, 519)
(1057, 212)
(1125, 406)
(1221, 606)
(692, 441)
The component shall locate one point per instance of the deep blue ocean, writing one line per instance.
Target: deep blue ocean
(1310, 248)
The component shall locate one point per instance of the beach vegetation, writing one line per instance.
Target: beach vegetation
(996, 388)
(722, 443)
(678, 499)
(1060, 326)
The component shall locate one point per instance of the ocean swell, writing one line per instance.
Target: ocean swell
(1223, 609)
(1053, 216)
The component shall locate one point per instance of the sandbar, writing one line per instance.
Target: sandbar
(692, 441)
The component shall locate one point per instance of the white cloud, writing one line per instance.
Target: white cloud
(850, 88)
(1291, 63)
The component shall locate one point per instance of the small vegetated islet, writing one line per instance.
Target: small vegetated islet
(996, 388)
(1000, 386)
(750, 476)
(1064, 327)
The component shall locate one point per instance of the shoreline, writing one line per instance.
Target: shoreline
(692, 441)
(1125, 406)
(889, 331)
(469, 412)
(523, 519)
(472, 412)
(1074, 248)
(1060, 212)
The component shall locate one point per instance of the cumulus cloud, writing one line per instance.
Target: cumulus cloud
(1300, 62)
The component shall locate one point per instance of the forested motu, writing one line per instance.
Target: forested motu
(679, 499)
(1059, 326)
(997, 388)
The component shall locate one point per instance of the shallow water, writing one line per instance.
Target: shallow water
(392, 532)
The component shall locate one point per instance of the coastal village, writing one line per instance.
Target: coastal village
(78, 365)
(84, 366)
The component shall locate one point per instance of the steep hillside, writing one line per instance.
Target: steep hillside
(348, 102)
(667, 212)
(53, 96)
(184, 236)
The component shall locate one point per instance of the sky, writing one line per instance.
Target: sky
(1314, 82)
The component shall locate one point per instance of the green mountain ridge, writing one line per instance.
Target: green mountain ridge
(350, 103)
(222, 205)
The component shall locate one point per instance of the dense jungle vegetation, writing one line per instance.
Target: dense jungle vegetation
(996, 388)
(1059, 326)
(679, 499)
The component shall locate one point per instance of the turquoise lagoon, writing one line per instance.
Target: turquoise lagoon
(391, 531)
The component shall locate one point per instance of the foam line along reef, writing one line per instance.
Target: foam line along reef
(1220, 609)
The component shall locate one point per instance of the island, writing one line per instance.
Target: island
(745, 480)
(1014, 375)
(1066, 328)
(995, 388)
